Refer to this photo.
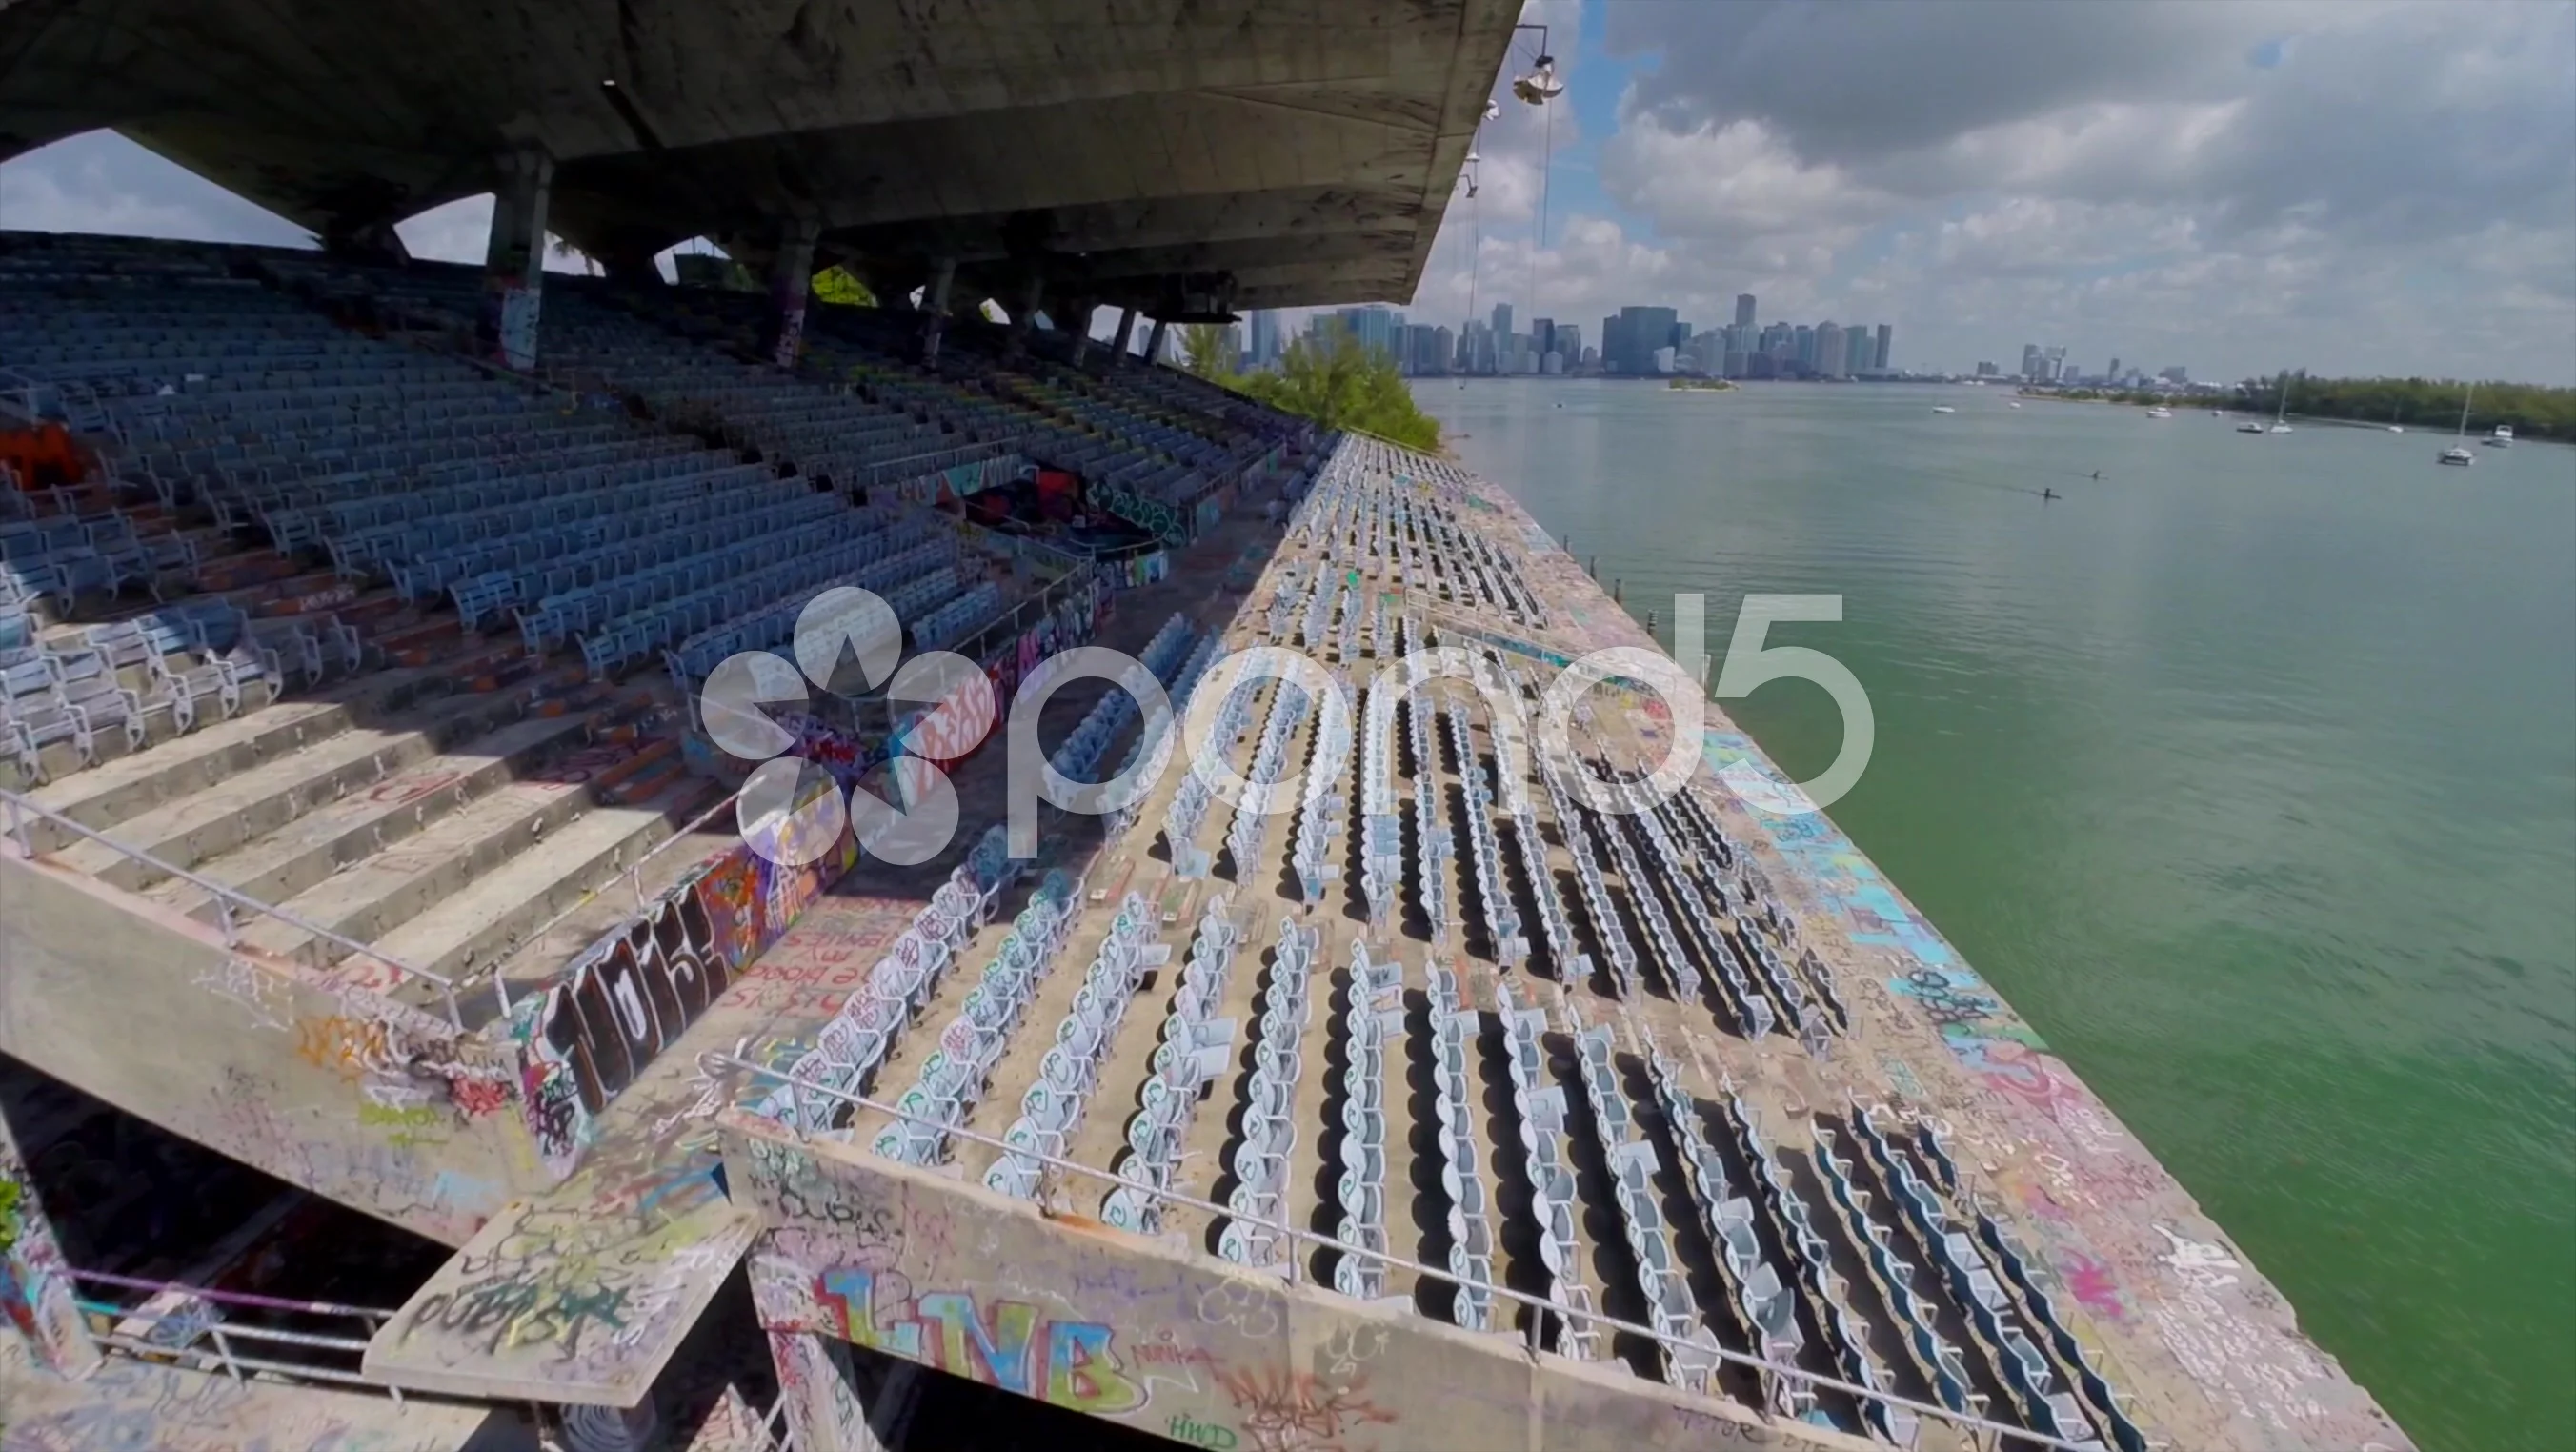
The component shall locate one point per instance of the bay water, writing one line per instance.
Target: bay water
(2246, 772)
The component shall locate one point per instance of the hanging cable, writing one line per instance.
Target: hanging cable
(1546, 168)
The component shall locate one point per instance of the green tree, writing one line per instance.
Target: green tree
(1340, 383)
(839, 285)
(1207, 349)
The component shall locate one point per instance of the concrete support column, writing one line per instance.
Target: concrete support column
(934, 301)
(1025, 316)
(35, 1284)
(838, 1399)
(1154, 342)
(514, 260)
(1126, 330)
(1080, 324)
(791, 281)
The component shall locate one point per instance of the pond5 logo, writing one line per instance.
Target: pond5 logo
(849, 644)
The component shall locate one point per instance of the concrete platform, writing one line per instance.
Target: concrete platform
(135, 1406)
(1916, 1075)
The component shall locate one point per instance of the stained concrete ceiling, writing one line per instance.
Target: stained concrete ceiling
(1301, 150)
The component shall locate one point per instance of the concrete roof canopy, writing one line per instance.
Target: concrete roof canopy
(1262, 152)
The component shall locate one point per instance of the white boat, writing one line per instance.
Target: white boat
(2281, 420)
(2160, 411)
(2015, 403)
(2459, 453)
(2250, 426)
(2501, 437)
(1943, 408)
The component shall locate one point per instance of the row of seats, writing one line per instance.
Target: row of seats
(1268, 1138)
(1688, 1352)
(921, 572)
(1764, 1306)
(1455, 1027)
(1538, 1106)
(1484, 848)
(1372, 1015)
(426, 484)
(557, 598)
(1807, 1252)
(1992, 1319)
(953, 1076)
(848, 1050)
(426, 559)
(1191, 799)
(73, 689)
(1053, 1105)
(1192, 1048)
(1319, 814)
(63, 557)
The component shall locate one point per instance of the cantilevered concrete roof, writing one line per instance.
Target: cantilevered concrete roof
(1303, 150)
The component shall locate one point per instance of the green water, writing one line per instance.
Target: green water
(2247, 773)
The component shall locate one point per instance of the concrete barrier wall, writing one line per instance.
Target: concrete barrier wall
(578, 1042)
(922, 1266)
(376, 1105)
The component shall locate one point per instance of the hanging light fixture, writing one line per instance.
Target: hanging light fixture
(1540, 86)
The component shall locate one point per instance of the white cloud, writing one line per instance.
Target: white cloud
(2349, 187)
(101, 182)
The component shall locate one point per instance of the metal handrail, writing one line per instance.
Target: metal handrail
(227, 899)
(221, 1333)
(1288, 1230)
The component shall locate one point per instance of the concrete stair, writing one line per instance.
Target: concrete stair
(444, 825)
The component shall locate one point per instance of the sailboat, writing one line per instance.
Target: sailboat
(2281, 421)
(2459, 453)
(2394, 426)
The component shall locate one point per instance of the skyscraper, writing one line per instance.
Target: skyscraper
(1831, 351)
(1857, 352)
(1502, 322)
(1542, 336)
(1640, 331)
(1264, 345)
(1744, 310)
(1886, 336)
(2032, 364)
(1802, 348)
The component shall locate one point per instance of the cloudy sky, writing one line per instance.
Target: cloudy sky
(2339, 185)
(2343, 186)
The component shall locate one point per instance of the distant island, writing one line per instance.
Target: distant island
(2534, 412)
(1701, 385)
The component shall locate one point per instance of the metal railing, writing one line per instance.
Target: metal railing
(185, 1324)
(1997, 1433)
(230, 903)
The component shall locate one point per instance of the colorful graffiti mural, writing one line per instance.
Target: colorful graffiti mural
(603, 1019)
(1005, 1344)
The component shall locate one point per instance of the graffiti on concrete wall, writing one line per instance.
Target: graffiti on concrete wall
(614, 1009)
(1001, 1343)
(914, 1265)
(35, 1285)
